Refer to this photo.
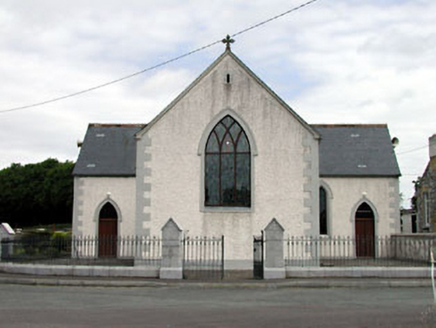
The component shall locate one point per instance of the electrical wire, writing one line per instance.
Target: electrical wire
(157, 65)
(411, 150)
(111, 82)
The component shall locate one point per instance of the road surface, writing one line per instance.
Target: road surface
(42, 306)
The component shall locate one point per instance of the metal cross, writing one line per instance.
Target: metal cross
(228, 40)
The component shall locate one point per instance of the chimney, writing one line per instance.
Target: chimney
(432, 145)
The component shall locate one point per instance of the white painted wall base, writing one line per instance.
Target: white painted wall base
(358, 272)
(80, 270)
(153, 272)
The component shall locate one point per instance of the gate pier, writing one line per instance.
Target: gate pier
(172, 251)
(274, 266)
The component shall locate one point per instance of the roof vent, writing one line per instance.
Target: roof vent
(361, 166)
(90, 165)
(395, 142)
(355, 135)
(100, 135)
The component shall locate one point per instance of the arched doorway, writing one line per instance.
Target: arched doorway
(107, 231)
(364, 226)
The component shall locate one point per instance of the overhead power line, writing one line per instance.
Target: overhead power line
(155, 66)
(411, 150)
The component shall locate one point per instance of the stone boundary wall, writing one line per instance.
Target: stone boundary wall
(415, 246)
(361, 272)
(80, 270)
(153, 272)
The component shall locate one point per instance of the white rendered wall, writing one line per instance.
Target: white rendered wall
(407, 223)
(287, 155)
(91, 193)
(381, 194)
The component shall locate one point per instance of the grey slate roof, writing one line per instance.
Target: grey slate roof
(108, 150)
(356, 150)
(345, 150)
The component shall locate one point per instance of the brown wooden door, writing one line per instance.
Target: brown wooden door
(364, 226)
(107, 231)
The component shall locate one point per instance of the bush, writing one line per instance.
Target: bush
(42, 245)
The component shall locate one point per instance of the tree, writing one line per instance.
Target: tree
(413, 201)
(36, 194)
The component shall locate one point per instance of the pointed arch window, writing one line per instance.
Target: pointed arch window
(323, 211)
(364, 211)
(228, 166)
(108, 211)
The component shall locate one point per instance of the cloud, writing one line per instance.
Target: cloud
(372, 64)
(344, 61)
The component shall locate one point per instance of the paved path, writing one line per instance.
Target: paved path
(60, 306)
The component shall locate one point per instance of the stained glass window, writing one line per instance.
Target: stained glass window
(228, 166)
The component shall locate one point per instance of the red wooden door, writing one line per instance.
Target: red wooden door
(107, 231)
(107, 238)
(364, 229)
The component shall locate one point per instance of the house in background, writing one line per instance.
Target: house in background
(425, 192)
(409, 222)
(227, 156)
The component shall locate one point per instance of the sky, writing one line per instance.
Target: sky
(333, 61)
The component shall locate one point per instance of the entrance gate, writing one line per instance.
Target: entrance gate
(203, 258)
(258, 256)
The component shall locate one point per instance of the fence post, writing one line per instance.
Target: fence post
(7, 236)
(172, 251)
(2, 242)
(274, 263)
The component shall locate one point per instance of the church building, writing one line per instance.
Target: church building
(226, 157)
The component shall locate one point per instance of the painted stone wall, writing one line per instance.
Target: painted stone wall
(344, 195)
(425, 193)
(407, 218)
(427, 186)
(90, 194)
(284, 164)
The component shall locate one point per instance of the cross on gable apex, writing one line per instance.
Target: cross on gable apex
(228, 41)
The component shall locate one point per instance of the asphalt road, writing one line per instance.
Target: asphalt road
(42, 306)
